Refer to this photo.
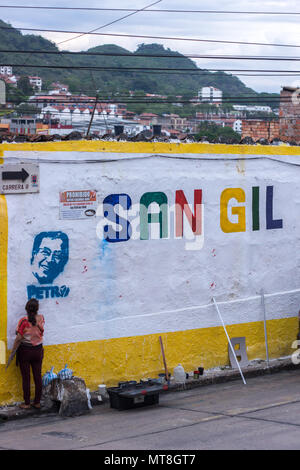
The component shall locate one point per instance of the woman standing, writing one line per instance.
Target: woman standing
(29, 345)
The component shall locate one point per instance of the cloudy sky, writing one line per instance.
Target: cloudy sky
(275, 29)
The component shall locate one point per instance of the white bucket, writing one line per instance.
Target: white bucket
(102, 390)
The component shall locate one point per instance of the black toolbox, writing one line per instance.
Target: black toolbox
(135, 395)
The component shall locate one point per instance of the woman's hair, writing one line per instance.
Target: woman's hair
(31, 308)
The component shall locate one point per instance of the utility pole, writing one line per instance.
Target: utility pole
(92, 116)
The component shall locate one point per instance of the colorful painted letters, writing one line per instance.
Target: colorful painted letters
(161, 217)
(239, 195)
(181, 206)
(233, 209)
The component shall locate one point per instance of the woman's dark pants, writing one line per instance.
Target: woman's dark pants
(31, 356)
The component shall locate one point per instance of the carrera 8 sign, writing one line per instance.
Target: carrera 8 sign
(19, 178)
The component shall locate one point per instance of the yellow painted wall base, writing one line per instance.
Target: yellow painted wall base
(134, 358)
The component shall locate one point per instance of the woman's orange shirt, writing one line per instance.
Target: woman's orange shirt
(31, 334)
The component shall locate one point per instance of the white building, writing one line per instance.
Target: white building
(209, 94)
(2, 92)
(242, 107)
(237, 126)
(36, 82)
(59, 87)
(113, 109)
(50, 112)
(59, 92)
(5, 70)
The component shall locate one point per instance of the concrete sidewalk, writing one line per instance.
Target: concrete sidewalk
(211, 376)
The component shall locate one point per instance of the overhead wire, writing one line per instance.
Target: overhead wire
(97, 29)
(231, 12)
(146, 55)
(142, 69)
(207, 118)
(109, 24)
(202, 72)
(156, 55)
(148, 99)
(218, 41)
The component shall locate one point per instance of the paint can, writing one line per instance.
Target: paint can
(196, 374)
(102, 391)
(161, 378)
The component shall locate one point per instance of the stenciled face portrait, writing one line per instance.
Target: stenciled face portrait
(49, 256)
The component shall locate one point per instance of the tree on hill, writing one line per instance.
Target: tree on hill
(24, 86)
(213, 132)
(14, 95)
(113, 78)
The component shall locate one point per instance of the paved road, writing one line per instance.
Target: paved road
(264, 414)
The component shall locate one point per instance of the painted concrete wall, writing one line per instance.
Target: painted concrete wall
(116, 284)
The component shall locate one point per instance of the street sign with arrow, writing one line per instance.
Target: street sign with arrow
(19, 178)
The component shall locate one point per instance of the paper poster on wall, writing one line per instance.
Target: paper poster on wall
(79, 204)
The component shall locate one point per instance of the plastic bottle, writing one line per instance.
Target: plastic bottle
(179, 374)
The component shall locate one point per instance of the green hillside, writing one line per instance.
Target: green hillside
(110, 82)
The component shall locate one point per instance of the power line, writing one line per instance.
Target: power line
(194, 105)
(124, 100)
(152, 10)
(191, 118)
(81, 94)
(87, 93)
(112, 22)
(169, 56)
(168, 71)
(152, 37)
(207, 117)
(211, 75)
(162, 102)
(112, 96)
(128, 100)
(142, 69)
(231, 101)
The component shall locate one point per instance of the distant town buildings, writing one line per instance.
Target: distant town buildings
(2, 92)
(209, 94)
(6, 74)
(59, 110)
(6, 70)
(36, 82)
(258, 109)
(25, 125)
(237, 126)
(57, 88)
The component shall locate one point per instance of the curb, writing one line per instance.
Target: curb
(211, 377)
(226, 374)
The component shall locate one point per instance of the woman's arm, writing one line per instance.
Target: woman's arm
(14, 349)
(17, 342)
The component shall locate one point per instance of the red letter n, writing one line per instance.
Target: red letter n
(182, 206)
